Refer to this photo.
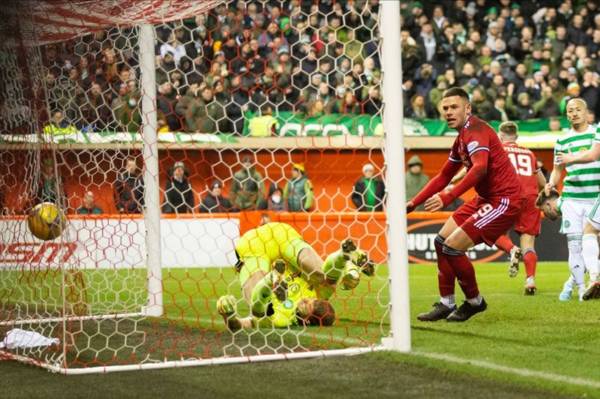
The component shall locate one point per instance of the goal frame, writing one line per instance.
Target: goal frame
(399, 311)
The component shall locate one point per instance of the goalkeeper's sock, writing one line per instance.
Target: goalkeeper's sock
(590, 252)
(530, 259)
(504, 243)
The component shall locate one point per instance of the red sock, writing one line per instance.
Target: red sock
(446, 276)
(464, 271)
(504, 243)
(530, 260)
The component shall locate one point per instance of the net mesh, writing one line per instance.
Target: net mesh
(72, 123)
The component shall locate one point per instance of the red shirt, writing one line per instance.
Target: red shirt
(501, 179)
(525, 165)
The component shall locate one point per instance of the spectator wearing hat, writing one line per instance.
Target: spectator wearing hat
(369, 191)
(248, 188)
(415, 178)
(298, 192)
(89, 206)
(179, 197)
(215, 201)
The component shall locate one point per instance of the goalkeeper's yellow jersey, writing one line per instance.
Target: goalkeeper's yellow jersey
(285, 311)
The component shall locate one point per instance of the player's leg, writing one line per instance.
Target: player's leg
(505, 244)
(446, 276)
(572, 226)
(490, 221)
(454, 250)
(528, 227)
(530, 261)
(590, 252)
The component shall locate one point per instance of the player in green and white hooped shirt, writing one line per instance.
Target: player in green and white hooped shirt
(590, 249)
(580, 191)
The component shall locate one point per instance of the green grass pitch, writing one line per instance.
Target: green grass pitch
(536, 333)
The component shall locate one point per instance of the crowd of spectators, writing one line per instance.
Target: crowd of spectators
(301, 56)
(517, 59)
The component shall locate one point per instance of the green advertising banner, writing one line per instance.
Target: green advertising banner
(293, 124)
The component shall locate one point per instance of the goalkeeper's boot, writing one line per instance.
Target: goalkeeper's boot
(279, 284)
(592, 292)
(351, 276)
(466, 311)
(515, 257)
(439, 312)
(348, 247)
(226, 305)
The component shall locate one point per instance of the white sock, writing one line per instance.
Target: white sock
(590, 252)
(475, 301)
(576, 262)
(569, 284)
(530, 281)
(448, 301)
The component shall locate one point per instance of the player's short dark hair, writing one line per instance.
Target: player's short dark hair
(509, 128)
(322, 315)
(456, 91)
(542, 197)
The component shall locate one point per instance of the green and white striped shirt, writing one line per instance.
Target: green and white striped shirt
(582, 180)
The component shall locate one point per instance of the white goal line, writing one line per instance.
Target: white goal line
(522, 372)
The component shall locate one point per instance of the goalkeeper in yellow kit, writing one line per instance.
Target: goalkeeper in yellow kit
(291, 302)
(259, 248)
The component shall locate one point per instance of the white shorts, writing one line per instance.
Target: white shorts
(594, 214)
(575, 215)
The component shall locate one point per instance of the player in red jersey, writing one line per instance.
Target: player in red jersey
(529, 221)
(483, 219)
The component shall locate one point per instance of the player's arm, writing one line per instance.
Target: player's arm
(227, 307)
(541, 180)
(476, 173)
(462, 173)
(435, 185)
(591, 155)
(555, 177)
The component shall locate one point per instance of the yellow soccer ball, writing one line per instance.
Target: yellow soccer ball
(46, 221)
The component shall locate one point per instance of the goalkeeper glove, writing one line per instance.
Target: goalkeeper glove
(226, 305)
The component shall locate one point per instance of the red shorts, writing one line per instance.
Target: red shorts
(486, 220)
(530, 220)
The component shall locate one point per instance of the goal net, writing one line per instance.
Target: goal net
(221, 167)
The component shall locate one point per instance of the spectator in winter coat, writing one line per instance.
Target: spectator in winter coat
(369, 191)
(179, 197)
(415, 178)
(129, 189)
(248, 188)
(215, 201)
(298, 193)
